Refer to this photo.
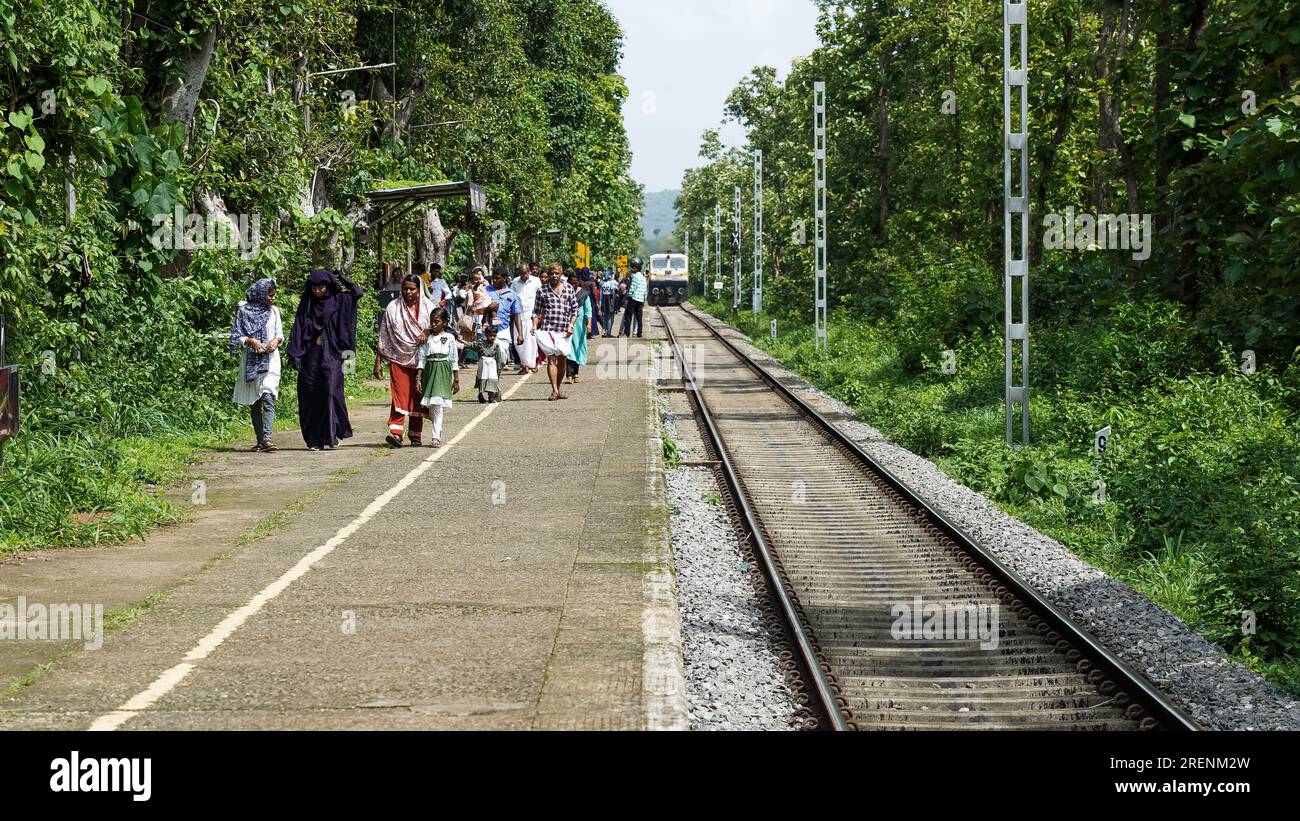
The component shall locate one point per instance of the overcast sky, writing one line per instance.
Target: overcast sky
(682, 58)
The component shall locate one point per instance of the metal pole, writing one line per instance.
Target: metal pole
(396, 92)
(3, 330)
(346, 70)
(435, 125)
(717, 246)
(735, 281)
(688, 260)
(1015, 201)
(758, 231)
(819, 212)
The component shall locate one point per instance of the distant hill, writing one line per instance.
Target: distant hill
(659, 215)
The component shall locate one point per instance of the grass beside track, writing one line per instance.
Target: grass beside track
(79, 484)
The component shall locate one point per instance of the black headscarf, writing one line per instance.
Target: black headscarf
(589, 286)
(580, 293)
(334, 316)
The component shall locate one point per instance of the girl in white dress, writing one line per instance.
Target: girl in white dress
(257, 334)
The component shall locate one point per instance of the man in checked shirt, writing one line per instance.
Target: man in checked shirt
(554, 313)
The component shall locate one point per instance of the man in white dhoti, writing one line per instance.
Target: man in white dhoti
(526, 286)
(553, 320)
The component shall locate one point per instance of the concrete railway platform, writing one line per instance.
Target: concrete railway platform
(519, 577)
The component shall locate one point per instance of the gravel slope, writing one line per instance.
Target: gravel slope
(733, 678)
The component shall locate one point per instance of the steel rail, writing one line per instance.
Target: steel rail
(1165, 712)
(822, 688)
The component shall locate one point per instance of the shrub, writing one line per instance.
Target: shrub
(1216, 460)
(1135, 345)
(938, 304)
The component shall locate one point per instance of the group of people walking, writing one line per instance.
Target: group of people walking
(427, 332)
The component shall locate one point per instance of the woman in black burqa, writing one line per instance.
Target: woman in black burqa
(324, 336)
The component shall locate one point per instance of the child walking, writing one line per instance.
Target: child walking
(492, 358)
(439, 373)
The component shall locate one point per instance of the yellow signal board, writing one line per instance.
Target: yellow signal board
(581, 256)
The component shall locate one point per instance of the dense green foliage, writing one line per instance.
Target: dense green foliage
(211, 109)
(1135, 107)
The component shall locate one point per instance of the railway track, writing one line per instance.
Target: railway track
(897, 618)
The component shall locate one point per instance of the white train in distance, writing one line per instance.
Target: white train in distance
(669, 279)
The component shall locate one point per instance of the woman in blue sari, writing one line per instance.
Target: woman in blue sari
(581, 328)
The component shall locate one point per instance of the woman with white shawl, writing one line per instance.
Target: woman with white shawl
(404, 329)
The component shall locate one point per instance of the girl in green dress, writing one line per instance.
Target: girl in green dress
(439, 373)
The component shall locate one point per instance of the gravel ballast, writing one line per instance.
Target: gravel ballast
(733, 678)
(1217, 692)
(733, 681)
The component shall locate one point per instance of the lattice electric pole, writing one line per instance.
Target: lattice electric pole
(819, 210)
(717, 246)
(758, 232)
(735, 248)
(1016, 204)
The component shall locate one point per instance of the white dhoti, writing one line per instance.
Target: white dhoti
(554, 344)
(526, 347)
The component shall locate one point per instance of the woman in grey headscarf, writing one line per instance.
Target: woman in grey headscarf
(256, 335)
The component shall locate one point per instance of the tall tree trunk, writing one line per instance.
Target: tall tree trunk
(1129, 163)
(957, 227)
(435, 239)
(1189, 289)
(358, 217)
(1061, 118)
(882, 148)
(1102, 70)
(178, 103)
(399, 111)
(1130, 28)
(311, 197)
(182, 95)
(1115, 38)
(1164, 142)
